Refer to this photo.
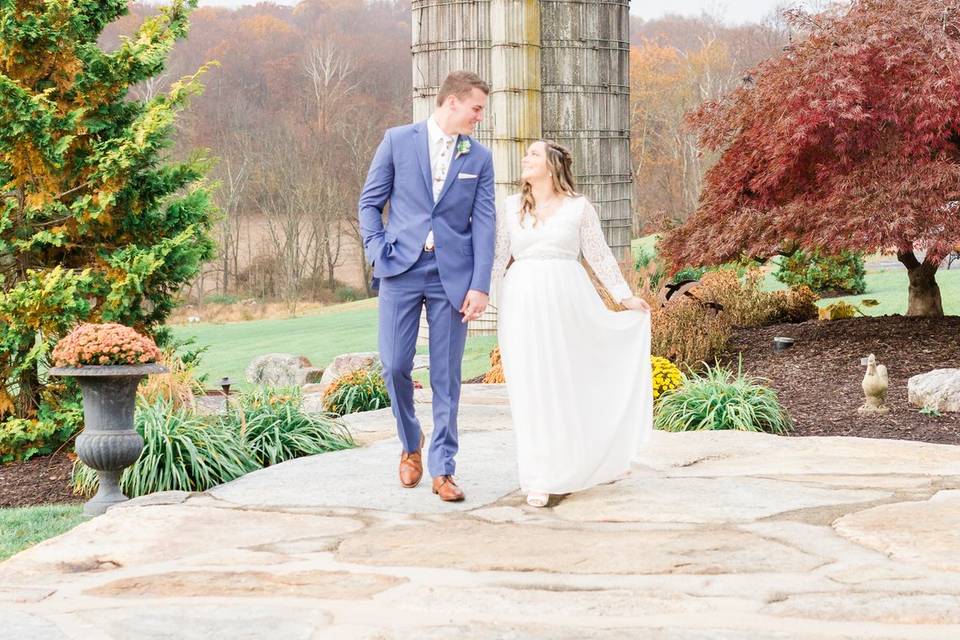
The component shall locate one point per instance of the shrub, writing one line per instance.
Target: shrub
(692, 330)
(101, 223)
(743, 302)
(747, 305)
(346, 294)
(275, 428)
(688, 273)
(495, 374)
(797, 304)
(57, 420)
(643, 258)
(844, 273)
(189, 354)
(687, 333)
(356, 391)
(666, 376)
(104, 344)
(221, 298)
(650, 269)
(720, 399)
(838, 311)
(182, 451)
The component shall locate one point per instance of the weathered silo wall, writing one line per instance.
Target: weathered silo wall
(515, 99)
(585, 62)
(448, 35)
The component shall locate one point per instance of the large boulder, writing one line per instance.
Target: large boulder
(281, 370)
(939, 389)
(346, 363)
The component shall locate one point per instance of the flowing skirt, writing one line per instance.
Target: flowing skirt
(578, 376)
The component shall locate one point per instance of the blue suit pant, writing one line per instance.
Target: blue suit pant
(401, 301)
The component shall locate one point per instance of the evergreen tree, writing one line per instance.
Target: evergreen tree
(97, 222)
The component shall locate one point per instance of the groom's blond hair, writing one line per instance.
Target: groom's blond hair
(461, 84)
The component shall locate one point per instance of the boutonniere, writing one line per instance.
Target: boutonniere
(463, 148)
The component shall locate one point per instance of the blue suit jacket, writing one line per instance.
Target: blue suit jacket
(463, 218)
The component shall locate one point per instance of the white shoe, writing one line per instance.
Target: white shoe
(538, 499)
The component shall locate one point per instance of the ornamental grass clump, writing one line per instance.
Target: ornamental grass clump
(179, 385)
(719, 399)
(104, 344)
(356, 391)
(275, 427)
(182, 451)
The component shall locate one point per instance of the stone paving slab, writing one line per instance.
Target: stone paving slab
(17, 624)
(645, 499)
(925, 532)
(484, 408)
(374, 426)
(737, 453)
(367, 479)
(714, 536)
(134, 536)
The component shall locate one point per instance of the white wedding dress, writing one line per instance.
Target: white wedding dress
(578, 375)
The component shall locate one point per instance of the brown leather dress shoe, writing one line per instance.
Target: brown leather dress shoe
(447, 489)
(411, 467)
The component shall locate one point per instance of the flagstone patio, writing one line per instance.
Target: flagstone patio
(714, 535)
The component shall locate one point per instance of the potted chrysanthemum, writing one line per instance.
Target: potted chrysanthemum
(108, 361)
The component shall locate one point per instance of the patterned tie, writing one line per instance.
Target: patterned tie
(443, 163)
(440, 169)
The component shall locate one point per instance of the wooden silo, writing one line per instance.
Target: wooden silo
(447, 35)
(558, 69)
(585, 63)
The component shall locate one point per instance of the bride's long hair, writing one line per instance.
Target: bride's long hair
(560, 165)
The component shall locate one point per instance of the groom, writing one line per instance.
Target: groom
(437, 249)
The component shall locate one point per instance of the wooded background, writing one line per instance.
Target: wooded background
(301, 96)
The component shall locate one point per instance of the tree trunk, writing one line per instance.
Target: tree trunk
(924, 299)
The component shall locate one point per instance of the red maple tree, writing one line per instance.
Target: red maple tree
(850, 139)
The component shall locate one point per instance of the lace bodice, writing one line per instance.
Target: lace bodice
(574, 229)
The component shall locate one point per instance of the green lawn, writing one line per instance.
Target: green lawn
(647, 242)
(889, 288)
(320, 337)
(26, 526)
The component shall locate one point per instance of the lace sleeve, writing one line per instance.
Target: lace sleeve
(599, 256)
(501, 255)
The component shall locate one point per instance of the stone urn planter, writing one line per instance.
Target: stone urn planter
(108, 442)
(108, 361)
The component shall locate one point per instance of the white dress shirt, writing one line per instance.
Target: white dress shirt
(441, 153)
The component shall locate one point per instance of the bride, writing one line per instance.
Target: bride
(578, 375)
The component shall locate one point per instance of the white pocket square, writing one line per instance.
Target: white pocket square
(466, 176)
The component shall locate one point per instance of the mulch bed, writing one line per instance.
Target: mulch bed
(42, 480)
(819, 378)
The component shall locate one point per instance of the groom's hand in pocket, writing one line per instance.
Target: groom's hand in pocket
(474, 305)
